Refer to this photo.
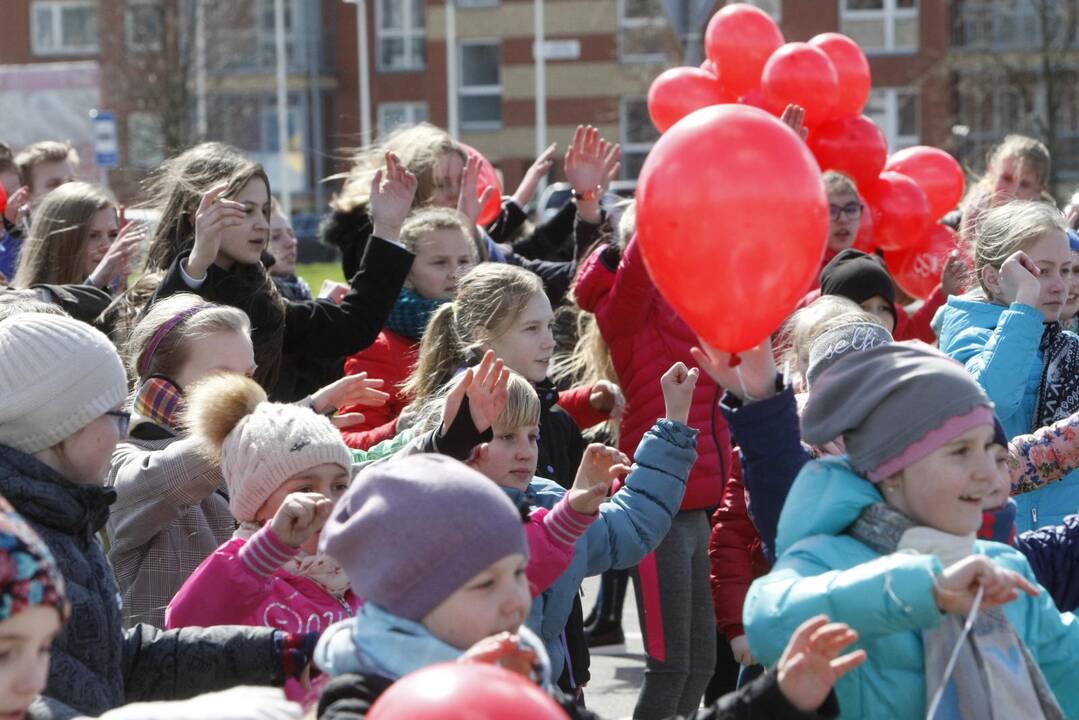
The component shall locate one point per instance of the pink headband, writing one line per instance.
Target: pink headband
(167, 327)
(932, 441)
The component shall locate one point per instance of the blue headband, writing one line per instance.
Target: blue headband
(1073, 240)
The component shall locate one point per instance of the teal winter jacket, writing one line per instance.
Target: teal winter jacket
(630, 525)
(1000, 346)
(887, 599)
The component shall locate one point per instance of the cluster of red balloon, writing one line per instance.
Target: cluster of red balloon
(711, 181)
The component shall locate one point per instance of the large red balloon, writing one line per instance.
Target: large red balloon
(732, 218)
(852, 67)
(937, 173)
(801, 74)
(918, 269)
(739, 40)
(488, 178)
(900, 211)
(678, 92)
(854, 146)
(755, 98)
(464, 691)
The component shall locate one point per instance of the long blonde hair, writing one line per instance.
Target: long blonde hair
(55, 251)
(419, 147)
(489, 298)
(1009, 228)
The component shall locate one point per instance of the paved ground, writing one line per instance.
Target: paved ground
(617, 670)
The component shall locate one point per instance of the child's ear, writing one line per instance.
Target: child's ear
(990, 277)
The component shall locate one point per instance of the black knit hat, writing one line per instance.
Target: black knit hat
(857, 276)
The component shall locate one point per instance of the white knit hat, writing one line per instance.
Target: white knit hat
(271, 445)
(57, 375)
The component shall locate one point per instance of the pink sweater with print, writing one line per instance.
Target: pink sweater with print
(552, 541)
(244, 583)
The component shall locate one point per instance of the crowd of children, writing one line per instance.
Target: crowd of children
(213, 482)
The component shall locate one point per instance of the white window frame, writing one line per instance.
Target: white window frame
(129, 27)
(890, 126)
(777, 15)
(56, 11)
(470, 91)
(467, 4)
(408, 33)
(411, 111)
(888, 16)
(630, 147)
(625, 23)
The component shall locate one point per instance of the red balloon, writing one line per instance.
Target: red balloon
(739, 40)
(678, 92)
(755, 98)
(900, 211)
(733, 281)
(864, 240)
(800, 74)
(852, 68)
(464, 691)
(918, 269)
(854, 146)
(488, 178)
(937, 173)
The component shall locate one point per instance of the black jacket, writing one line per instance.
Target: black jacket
(96, 665)
(314, 328)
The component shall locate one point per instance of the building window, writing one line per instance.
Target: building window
(401, 37)
(984, 24)
(477, 3)
(644, 33)
(267, 35)
(393, 115)
(294, 132)
(881, 26)
(143, 26)
(480, 90)
(638, 134)
(897, 111)
(64, 28)
(773, 7)
(145, 140)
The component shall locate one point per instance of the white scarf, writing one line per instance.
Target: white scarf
(319, 568)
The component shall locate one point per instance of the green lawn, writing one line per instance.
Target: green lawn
(315, 273)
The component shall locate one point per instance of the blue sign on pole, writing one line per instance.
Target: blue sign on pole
(106, 145)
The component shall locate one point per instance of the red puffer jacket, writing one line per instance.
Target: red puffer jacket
(646, 337)
(390, 358)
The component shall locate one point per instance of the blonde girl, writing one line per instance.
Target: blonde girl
(1016, 169)
(76, 238)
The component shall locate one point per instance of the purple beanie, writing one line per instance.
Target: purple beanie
(409, 532)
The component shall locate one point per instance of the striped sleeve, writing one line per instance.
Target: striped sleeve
(565, 525)
(265, 553)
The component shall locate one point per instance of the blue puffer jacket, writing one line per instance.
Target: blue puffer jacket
(887, 599)
(1001, 348)
(629, 527)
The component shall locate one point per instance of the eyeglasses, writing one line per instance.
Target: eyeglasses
(123, 420)
(852, 210)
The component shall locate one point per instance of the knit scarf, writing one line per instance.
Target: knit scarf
(410, 314)
(1058, 394)
(320, 568)
(995, 675)
(160, 401)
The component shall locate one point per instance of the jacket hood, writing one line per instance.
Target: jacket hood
(964, 312)
(43, 496)
(340, 228)
(826, 498)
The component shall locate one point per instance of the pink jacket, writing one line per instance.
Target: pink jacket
(552, 541)
(244, 583)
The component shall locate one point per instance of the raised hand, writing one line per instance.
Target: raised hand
(1019, 280)
(505, 651)
(300, 516)
(678, 384)
(810, 664)
(751, 376)
(538, 170)
(486, 388)
(953, 278)
(393, 189)
(215, 214)
(794, 117)
(18, 205)
(606, 397)
(957, 586)
(117, 260)
(599, 467)
(469, 203)
(350, 390)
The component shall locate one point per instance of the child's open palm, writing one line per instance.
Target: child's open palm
(811, 664)
(393, 189)
(598, 469)
(300, 516)
(214, 216)
(469, 203)
(486, 387)
(678, 384)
